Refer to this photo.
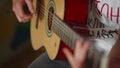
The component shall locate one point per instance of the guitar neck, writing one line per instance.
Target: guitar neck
(66, 34)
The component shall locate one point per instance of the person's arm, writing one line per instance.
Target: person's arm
(77, 60)
(18, 9)
(115, 51)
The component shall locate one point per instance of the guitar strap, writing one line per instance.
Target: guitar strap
(75, 15)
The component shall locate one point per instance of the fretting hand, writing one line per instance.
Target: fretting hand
(77, 59)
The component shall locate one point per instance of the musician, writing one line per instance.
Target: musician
(103, 23)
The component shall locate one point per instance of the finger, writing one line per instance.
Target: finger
(21, 19)
(14, 8)
(18, 18)
(69, 55)
(21, 15)
(30, 6)
(85, 47)
(24, 20)
(78, 50)
(81, 51)
(84, 50)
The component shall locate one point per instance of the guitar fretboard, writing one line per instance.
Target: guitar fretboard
(65, 33)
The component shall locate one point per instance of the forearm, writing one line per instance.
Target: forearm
(115, 51)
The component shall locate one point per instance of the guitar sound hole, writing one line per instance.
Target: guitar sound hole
(50, 17)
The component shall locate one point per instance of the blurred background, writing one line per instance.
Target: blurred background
(15, 46)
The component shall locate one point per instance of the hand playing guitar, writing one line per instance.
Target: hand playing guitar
(78, 59)
(19, 9)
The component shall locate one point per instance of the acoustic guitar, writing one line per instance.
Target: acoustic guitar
(51, 27)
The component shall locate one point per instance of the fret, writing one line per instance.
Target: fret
(62, 35)
(73, 41)
(68, 32)
(71, 38)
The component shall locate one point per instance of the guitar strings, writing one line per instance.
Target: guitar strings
(63, 28)
(66, 32)
(54, 19)
(58, 23)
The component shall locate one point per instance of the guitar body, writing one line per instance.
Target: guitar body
(41, 33)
